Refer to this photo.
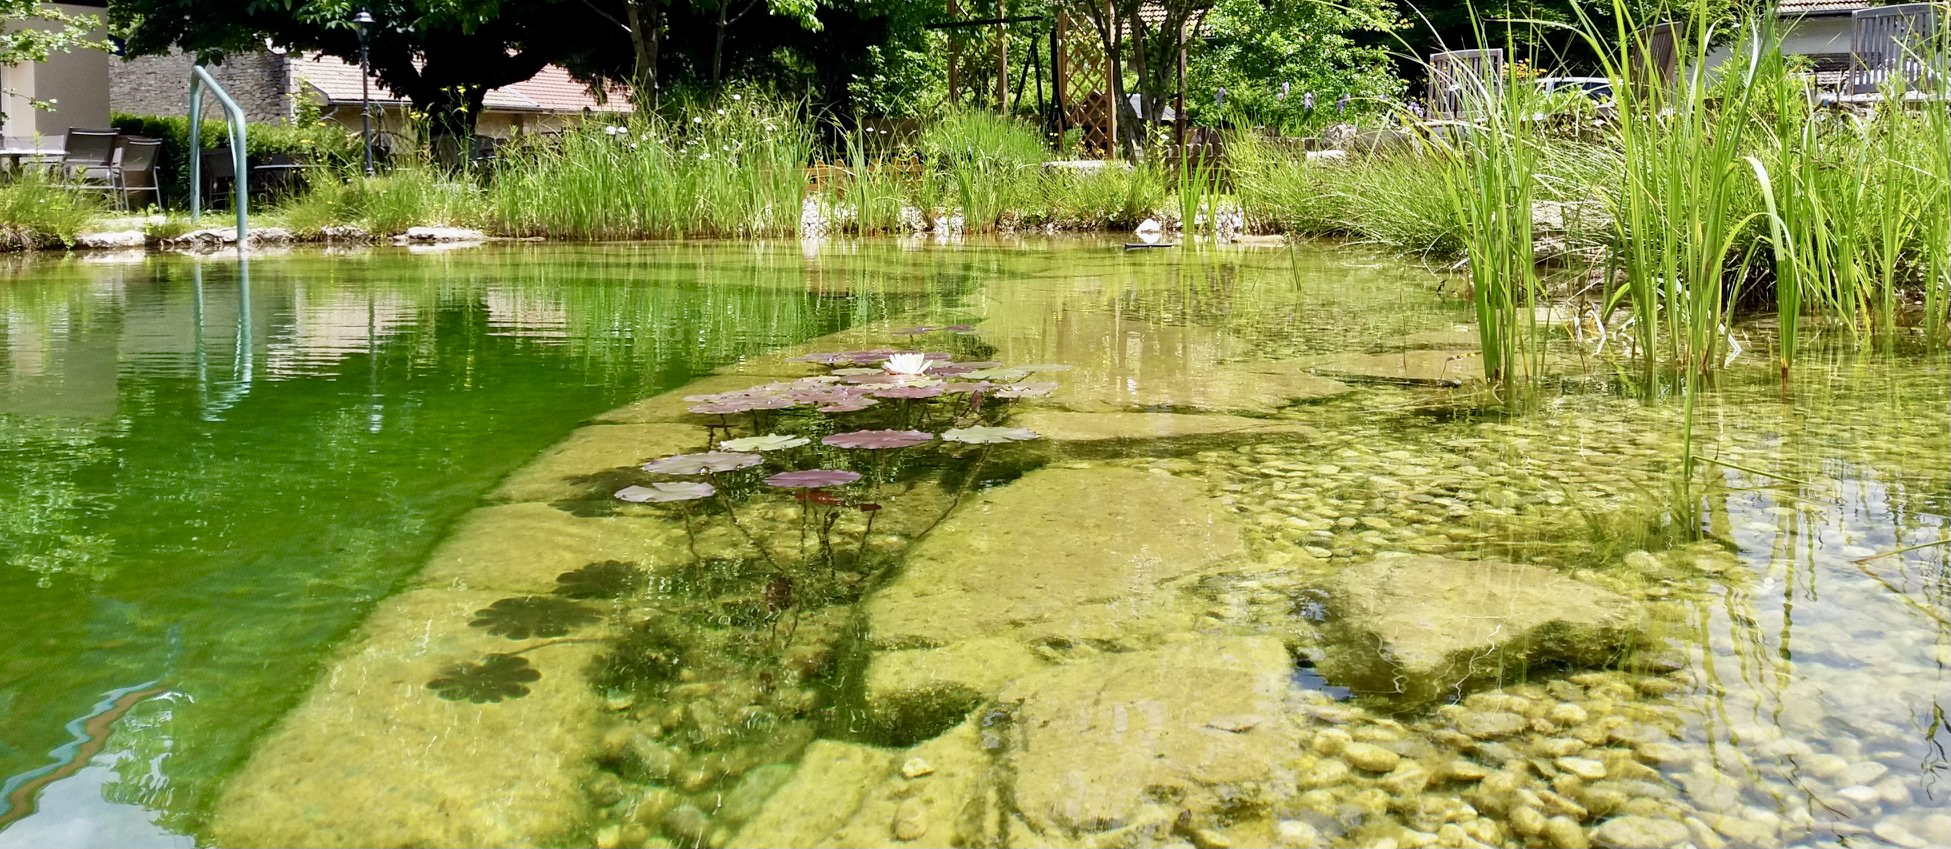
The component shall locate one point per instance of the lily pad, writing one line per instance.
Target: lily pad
(1026, 390)
(987, 435)
(533, 616)
(995, 374)
(878, 439)
(847, 406)
(768, 442)
(812, 478)
(700, 464)
(910, 392)
(665, 493)
(498, 677)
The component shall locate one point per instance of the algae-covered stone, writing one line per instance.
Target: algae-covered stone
(1420, 368)
(1437, 625)
(1094, 427)
(525, 547)
(846, 794)
(913, 693)
(595, 461)
(1637, 832)
(1069, 554)
(373, 757)
(1095, 742)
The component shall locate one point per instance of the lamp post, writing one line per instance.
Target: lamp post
(362, 22)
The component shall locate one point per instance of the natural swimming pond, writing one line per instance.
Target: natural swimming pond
(343, 566)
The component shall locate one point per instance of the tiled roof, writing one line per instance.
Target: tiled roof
(1799, 8)
(551, 90)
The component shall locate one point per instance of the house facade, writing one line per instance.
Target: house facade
(76, 83)
(275, 86)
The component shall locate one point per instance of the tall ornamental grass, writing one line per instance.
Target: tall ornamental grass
(735, 169)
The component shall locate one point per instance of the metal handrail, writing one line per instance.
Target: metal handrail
(199, 78)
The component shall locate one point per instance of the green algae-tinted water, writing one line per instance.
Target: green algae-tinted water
(207, 481)
(1119, 636)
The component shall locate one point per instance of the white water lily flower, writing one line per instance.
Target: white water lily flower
(768, 442)
(912, 364)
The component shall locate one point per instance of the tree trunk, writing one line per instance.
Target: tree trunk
(643, 37)
(718, 46)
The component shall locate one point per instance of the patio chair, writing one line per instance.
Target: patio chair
(219, 176)
(135, 172)
(88, 158)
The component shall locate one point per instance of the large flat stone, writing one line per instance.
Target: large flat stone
(1061, 554)
(846, 795)
(589, 463)
(524, 547)
(372, 757)
(1421, 368)
(1093, 427)
(1097, 744)
(913, 690)
(1422, 628)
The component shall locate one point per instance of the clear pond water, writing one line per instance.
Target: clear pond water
(254, 543)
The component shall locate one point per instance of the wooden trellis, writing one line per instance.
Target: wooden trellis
(1085, 88)
(1898, 46)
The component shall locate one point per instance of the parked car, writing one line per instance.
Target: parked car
(1597, 88)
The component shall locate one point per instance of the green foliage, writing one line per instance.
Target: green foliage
(388, 203)
(34, 30)
(1256, 46)
(35, 213)
(320, 142)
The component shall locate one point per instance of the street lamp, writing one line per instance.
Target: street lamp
(362, 22)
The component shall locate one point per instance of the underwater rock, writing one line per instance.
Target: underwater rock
(914, 693)
(1415, 368)
(371, 757)
(1638, 832)
(576, 467)
(525, 547)
(845, 794)
(1096, 741)
(1090, 427)
(1422, 627)
(1061, 554)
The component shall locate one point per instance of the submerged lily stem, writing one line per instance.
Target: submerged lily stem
(860, 554)
(960, 491)
(749, 537)
(690, 534)
(544, 645)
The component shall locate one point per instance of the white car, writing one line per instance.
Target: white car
(1597, 88)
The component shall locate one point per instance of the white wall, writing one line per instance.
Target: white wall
(76, 81)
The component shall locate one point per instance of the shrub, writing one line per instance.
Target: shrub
(319, 142)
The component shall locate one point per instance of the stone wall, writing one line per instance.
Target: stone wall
(160, 85)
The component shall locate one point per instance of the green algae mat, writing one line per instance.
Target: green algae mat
(1216, 548)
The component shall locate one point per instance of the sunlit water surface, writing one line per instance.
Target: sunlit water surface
(205, 492)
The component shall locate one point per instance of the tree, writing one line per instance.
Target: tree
(31, 31)
(441, 55)
(1155, 40)
(1270, 55)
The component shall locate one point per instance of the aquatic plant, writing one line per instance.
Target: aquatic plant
(878, 439)
(812, 479)
(667, 493)
(767, 442)
(709, 462)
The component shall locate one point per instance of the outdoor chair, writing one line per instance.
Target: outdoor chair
(88, 158)
(135, 171)
(219, 175)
